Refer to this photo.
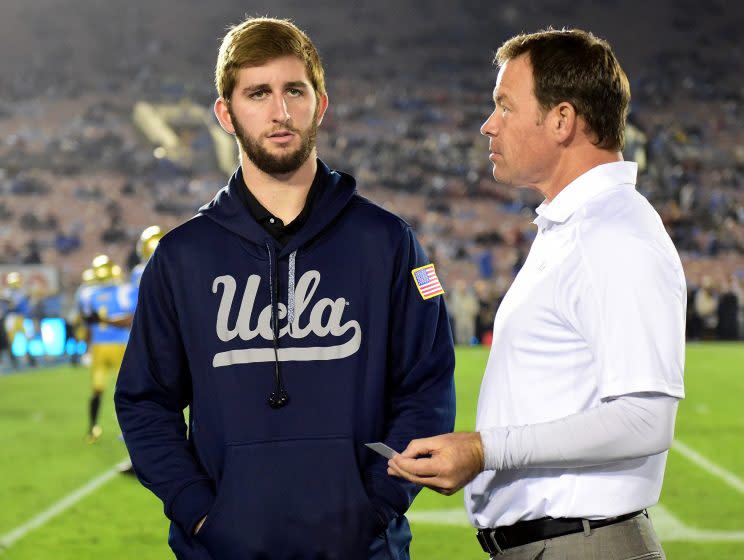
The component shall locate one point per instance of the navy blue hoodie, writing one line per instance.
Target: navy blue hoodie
(362, 356)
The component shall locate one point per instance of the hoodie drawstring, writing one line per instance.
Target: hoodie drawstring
(279, 397)
(291, 290)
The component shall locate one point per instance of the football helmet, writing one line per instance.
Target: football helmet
(89, 277)
(148, 241)
(14, 280)
(105, 270)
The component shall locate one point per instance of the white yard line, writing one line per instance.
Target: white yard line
(709, 466)
(670, 528)
(7, 540)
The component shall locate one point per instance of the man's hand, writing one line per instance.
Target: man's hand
(92, 318)
(449, 461)
(124, 321)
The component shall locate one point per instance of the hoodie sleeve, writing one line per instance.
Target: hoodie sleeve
(421, 365)
(152, 391)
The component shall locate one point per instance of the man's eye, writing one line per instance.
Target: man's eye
(295, 92)
(260, 94)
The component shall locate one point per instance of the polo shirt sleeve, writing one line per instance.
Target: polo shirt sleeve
(627, 299)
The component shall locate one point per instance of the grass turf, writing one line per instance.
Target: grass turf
(44, 457)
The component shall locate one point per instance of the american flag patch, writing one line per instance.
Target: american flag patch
(426, 281)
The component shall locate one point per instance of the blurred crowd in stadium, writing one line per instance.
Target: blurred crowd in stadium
(82, 175)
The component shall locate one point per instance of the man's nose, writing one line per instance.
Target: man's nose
(280, 110)
(490, 126)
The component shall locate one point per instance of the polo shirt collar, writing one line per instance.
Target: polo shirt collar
(275, 226)
(582, 189)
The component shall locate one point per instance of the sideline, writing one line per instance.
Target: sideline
(9, 539)
(8, 371)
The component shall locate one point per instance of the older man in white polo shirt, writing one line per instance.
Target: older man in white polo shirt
(577, 405)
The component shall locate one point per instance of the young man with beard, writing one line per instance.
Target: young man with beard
(577, 406)
(297, 321)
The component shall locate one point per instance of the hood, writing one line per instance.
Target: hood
(335, 191)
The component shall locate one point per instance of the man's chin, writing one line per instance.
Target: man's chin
(278, 165)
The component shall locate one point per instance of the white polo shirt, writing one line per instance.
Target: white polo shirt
(597, 311)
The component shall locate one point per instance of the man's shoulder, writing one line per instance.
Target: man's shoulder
(374, 215)
(186, 244)
(622, 233)
(189, 232)
(622, 214)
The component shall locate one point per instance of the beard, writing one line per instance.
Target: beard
(277, 164)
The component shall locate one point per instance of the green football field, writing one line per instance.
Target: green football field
(61, 498)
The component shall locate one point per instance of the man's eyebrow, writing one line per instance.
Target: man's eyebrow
(500, 97)
(258, 87)
(255, 87)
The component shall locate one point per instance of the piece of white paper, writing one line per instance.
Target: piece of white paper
(382, 449)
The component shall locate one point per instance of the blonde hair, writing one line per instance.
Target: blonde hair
(255, 42)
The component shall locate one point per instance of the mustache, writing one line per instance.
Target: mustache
(283, 128)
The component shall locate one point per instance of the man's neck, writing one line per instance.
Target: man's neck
(571, 168)
(284, 195)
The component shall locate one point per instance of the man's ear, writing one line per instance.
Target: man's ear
(563, 121)
(222, 112)
(322, 107)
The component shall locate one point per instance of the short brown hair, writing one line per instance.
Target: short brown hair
(575, 66)
(259, 40)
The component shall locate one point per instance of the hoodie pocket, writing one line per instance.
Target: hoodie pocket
(299, 499)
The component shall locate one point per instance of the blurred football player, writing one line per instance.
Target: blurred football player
(18, 309)
(145, 248)
(80, 330)
(107, 306)
(4, 342)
